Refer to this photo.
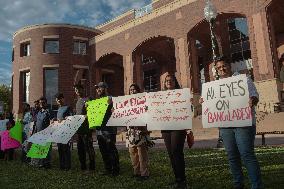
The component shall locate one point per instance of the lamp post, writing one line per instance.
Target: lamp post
(210, 14)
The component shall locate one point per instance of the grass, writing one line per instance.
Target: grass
(205, 168)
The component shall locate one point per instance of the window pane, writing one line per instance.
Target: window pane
(150, 80)
(83, 48)
(76, 48)
(51, 46)
(51, 86)
(26, 86)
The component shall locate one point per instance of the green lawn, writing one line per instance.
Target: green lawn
(205, 168)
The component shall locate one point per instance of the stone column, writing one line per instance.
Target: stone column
(128, 72)
(182, 62)
(261, 43)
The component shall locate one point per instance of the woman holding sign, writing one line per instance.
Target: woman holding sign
(174, 141)
(239, 141)
(137, 139)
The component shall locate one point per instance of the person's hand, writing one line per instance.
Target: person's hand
(52, 121)
(201, 100)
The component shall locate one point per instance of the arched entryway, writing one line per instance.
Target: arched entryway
(153, 59)
(109, 68)
(275, 16)
(232, 36)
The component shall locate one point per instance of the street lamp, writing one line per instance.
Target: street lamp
(210, 14)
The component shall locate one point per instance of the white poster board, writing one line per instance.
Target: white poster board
(226, 103)
(128, 110)
(66, 129)
(3, 125)
(58, 132)
(169, 110)
(42, 137)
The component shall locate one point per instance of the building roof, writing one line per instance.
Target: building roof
(26, 28)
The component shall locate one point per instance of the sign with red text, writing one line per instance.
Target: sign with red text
(169, 110)
(226, 103)
(128, 110)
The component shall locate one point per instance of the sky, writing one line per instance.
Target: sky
(15, 14)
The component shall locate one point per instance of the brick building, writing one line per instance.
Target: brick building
(142, 45)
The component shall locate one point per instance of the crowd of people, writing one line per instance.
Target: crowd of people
(238, 142)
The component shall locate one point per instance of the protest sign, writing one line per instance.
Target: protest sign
(66, 129)
(7, 142)
(226, 103)
(38, 151)
(169, 110)
(43, 136)
(16, 132)
(58, 132)
(96, 110)
(128, 110)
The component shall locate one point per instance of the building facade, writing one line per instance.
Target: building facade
(142, 46)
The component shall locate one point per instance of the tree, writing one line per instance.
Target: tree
(6, 97)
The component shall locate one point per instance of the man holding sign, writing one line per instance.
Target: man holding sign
(107, 135)
(233, 100)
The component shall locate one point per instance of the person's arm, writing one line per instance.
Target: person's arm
(253, 94)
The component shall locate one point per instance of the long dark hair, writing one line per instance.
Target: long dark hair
(177, 86)
(137, 88)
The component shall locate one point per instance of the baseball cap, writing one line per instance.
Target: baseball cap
(102, 85)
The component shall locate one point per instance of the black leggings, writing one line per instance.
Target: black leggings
(174, 141)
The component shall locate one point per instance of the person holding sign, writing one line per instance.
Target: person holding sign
(239, 141)
(137, 139)
(42, 122)
(63, 149)
(107, 136)
(174, 141)
(85, 139)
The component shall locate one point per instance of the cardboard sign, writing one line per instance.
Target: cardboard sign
(226, 103)
(66, 129)
(96, 111)
(169, 110)
(58, 132)
(7, 142)
(43, 136)
(16, 132)
(128, 110)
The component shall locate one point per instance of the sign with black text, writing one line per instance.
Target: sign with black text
(226, 103)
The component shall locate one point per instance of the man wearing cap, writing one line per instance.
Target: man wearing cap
(85, 139)
(107, 136)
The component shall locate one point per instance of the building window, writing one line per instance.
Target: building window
(25, 49)
(151, 80)
(26, 86)
(51, 86)
(239, 39)
(80, 47)
(51, 46)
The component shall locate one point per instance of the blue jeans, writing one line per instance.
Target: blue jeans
(239, 145)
